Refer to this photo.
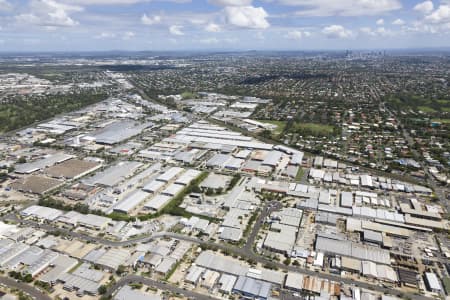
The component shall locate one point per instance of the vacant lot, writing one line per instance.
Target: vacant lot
(312, 129)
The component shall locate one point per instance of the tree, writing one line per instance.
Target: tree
(102, 289)
(287, 261)
(28, 278)
(266, 133)
(120, 270)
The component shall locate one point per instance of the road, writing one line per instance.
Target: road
(244, 252)
(266, 211)
(29, 289)
(158, 284)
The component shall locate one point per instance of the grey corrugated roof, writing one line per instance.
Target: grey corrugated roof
(210, 260)
(254, 287)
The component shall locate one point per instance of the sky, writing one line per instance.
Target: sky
(139, 25)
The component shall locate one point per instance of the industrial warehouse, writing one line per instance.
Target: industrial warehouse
(142, 201)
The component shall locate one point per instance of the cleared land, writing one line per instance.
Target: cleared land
(426, 109)
(72, 168)
(36, 184)
(312, 129)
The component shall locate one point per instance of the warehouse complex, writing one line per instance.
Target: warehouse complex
(132, 200)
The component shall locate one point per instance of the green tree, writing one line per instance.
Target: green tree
(102, 289)
(120, 270)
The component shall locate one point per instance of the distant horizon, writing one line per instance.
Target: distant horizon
(214, 50)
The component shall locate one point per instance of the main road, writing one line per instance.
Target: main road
(154, 283)
(26, 288)
(245, 252)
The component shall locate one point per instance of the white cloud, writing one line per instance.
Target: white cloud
(343, 7)
(111, 35)
(176, 30)
(49, 13)
(367, 31)
(231, 2)
(422, 27)
(241, 13)
(105, 35)
(247, 17)
(209, 41)
(198, 21)
(128, 35)
(5, 5)
(380, 22)
(150, 20)
(297, 34)
(213, 27)
(379, 31)
(337, 31)
(116, 2)
(440, 15)
(294, 35)
(424, 7)
(398, 22)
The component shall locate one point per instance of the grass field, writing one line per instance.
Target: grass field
(426, 109)
(443, 102)
(443, 121)
(300, 173)
(313, 128)
(446, 281)
(188, 95)
(280, 125)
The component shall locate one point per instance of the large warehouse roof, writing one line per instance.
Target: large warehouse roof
(114, 174)
(170, 174)
(119, 131)
(41, 212)
(256, 288)
(352, 249)
(42, 163)
(210, 260)
(157, 202)
(131, 201)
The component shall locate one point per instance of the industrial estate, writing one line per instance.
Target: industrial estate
(208, 194)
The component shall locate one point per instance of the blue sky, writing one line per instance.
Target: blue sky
(86, 25)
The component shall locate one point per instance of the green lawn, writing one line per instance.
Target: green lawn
(300, 173)
(443, 121)
(426, 109)
(443, 101)
(280, 125)
(188, 95)
(313, 129)
(446, 281)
